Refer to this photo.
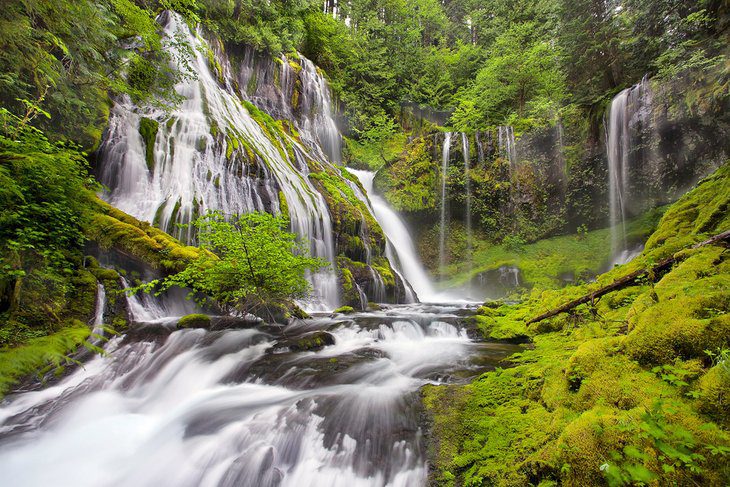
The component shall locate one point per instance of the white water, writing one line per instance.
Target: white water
(201, 408)
(406, 260)
(467, 210)
(627, 109)
(444, 173)
(192, 173)
(508, 146)
(98, 323)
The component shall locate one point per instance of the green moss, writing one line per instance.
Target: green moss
(714, 399)
(110, 227)
(195, 320)
(345, 310)
(611, 384)
(40, 355)
(549, 263)
(148, 130)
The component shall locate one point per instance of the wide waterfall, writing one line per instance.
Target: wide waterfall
(211, 153)
(627, 109)
(446, 152)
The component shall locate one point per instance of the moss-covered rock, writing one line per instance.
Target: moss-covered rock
(195, 320)
(148, 130)
(311, 342)
(345, 310)
(110, 227)
(714, 399)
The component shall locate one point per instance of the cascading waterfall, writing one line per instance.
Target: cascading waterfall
(444, 174)
(467, 210)
(400, 249)
(316, 105)
(627, 109)
(98, 323)
(211, 154)
(232, 408)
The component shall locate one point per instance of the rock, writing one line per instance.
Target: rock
(345, 310)
(311, 342)
(196, 320)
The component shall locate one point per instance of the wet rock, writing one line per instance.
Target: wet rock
(233, 322)
(310, 342)
(195, 320)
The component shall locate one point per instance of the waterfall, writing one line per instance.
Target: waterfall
(316, 105)
(400, 250)
(98, 323)
(211, 153)
(627, 109)
(467, 216)
(508, 146)
(442, 228)
(219, 408)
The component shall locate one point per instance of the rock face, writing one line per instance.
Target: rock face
(549, 181)
(252, 133)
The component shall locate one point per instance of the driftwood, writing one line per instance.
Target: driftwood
(629, 279)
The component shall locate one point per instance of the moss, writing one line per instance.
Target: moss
(589, 393)
(41, 355)
(283, 205)
(345, 310)
(148, 130)
(714, 389)
(195, 320)
(547, 263)
(110, 227)
(498, 324)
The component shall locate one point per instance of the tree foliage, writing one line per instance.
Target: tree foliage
(251, 262)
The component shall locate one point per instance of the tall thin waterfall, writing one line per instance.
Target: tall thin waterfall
(507, 145)
(444, 170)
(467, 188)
(626, 110)
(400, 250)
(210, 153)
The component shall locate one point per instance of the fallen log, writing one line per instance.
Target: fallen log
(629, 279)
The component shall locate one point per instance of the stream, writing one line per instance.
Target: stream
(247, 406)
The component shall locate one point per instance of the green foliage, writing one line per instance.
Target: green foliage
(246, 264)
(345, 309)
(521, 84)
(69, 55)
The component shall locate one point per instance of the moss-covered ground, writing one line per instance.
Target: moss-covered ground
(53, 319)
(550, 262)
(633, 389)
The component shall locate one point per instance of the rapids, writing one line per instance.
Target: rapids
(236, 407)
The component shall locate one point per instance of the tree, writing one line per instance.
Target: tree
(521, 83)
(247, 264)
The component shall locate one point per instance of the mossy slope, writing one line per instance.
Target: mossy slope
(629, 390)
